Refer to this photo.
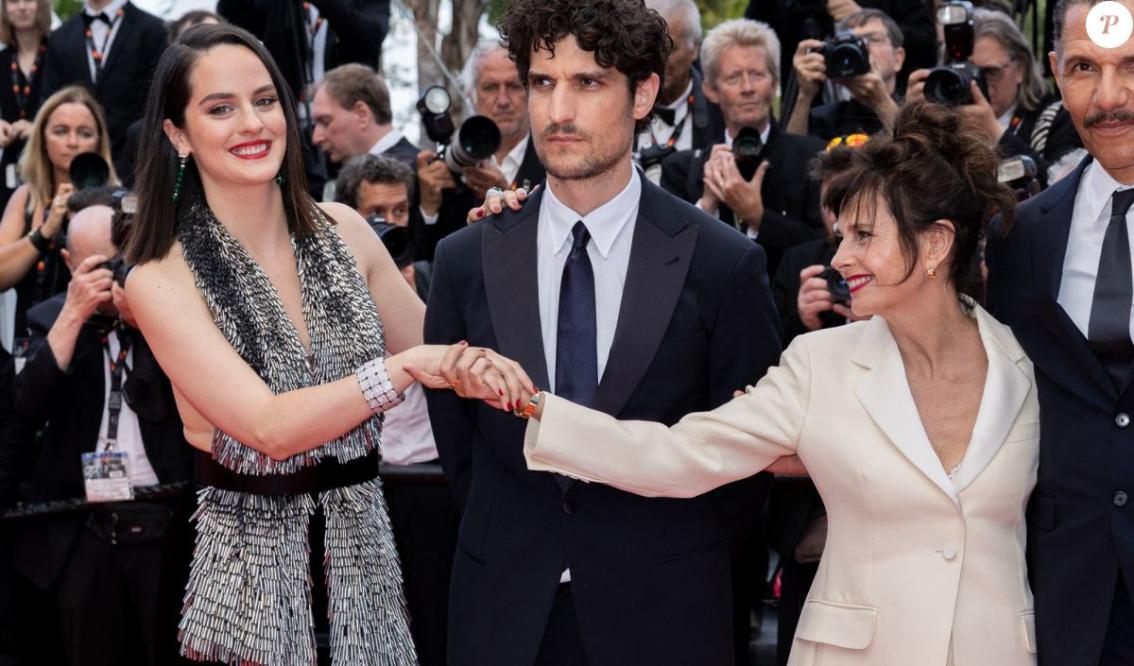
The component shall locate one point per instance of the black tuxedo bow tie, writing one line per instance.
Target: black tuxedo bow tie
(88, 19)
(667, 115)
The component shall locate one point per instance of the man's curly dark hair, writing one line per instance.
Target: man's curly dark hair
(622, 34)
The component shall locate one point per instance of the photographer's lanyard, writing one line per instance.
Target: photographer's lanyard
(23, 92)
(673, 138)
(114, 403)
(97, 54)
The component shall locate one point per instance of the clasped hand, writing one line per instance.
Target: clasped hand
(477, 373)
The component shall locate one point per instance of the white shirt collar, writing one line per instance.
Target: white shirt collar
(1095, 190)
(110, 9)
(763, 135)
(388, 141)
(514, 159)
(1006, 119)
(604, 223)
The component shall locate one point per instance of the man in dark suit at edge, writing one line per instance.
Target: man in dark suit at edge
(609, 288)
(1061, 278)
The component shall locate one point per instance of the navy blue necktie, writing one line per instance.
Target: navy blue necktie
(576, 349)
(1108, 329)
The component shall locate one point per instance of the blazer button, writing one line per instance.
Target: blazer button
(949, 553)
(1122, 420)
(1120, 498)
(568, 506)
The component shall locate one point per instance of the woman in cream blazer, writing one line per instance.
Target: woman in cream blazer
(920, 569)
(919, 427)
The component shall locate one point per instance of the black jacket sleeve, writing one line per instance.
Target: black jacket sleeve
(361, 27)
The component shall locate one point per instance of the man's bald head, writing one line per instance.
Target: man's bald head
(89, 234)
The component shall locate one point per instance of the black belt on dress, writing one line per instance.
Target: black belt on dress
(328, 474)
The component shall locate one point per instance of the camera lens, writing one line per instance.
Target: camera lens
(949, 85)
(477, 139)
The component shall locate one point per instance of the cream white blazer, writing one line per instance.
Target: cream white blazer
(919, 569)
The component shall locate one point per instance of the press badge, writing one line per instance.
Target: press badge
(106, 475)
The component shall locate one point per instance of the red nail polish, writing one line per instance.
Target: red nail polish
(479, 214)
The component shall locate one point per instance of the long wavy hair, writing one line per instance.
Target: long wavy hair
(155, 224)
(36, 168)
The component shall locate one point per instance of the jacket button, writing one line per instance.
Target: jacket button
(568, 506)
(1120, 498)
(949, 553)
(1122, 420)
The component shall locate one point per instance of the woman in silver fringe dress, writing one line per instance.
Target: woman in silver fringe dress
(272, 315)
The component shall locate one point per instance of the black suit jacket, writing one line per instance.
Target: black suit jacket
(456, 203)
(355, 32)
(1080, 538)
(69, 407)
(125, 78)
(791, 198)
(650, 576)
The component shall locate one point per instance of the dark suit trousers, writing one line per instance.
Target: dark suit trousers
(118, 604)
(1118, 648)
(562, 645)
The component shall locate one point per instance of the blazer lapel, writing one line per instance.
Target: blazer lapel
(885, 394)
(121, 43)
(1005, 391)
(1049, 249)
(660, 256)
(509, 257)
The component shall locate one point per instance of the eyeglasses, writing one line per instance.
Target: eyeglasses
(876, 38)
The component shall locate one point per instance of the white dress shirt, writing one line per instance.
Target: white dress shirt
(101, 33)
(129, 431)
(611, 226)
(388, 141)
(407, 436)
(509, 168)
(1089, 220)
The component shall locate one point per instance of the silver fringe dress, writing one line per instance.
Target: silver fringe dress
(248, 599)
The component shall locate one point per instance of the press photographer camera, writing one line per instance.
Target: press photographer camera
(476, 139)
(748, 150)
(951, 83)
(864, 57)
(1021, 174)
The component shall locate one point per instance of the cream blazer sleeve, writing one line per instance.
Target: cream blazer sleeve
(701, 452)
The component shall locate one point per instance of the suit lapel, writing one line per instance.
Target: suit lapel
(1005, 390)
(660, 255)
(1049, 249)
(509, 257)
(121, 41)
(885, 394)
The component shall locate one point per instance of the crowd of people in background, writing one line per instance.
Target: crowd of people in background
(750, 127)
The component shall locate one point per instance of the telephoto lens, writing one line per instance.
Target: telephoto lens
(476, 140)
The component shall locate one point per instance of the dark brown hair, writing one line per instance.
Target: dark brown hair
(622, 34)
(371, 169)
(830, 162)
(158, 215)
(353, 83)
(189, 20)
(931, 169)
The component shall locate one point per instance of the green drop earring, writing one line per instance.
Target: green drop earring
(280, 179)
(181, 160)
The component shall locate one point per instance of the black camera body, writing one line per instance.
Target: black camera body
(398, 240)
(653, 155)
(1021, 174)
(847, 56)
(950, 83)
(476, 139)
(748, 150)
(840, 291)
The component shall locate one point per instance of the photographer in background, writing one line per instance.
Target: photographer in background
(683, 117)
(776, 204)
(423, 515)
(872, 106)
(1018, 113)
(498, 94)
(115, 572)
(796, 20)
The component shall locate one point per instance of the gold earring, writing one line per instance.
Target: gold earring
(931, 272)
